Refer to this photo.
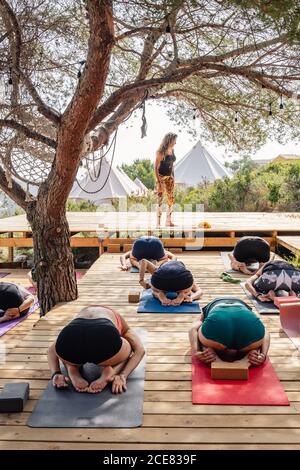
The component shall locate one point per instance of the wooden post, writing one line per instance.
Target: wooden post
(10, 249)
(274, 240)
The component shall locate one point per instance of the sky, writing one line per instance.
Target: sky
(130, 145)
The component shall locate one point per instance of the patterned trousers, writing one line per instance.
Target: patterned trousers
(167, 183)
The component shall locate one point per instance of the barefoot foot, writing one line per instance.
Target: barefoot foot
(98, 385)
(77, 380)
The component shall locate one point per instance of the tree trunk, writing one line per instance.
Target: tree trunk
(53, 258)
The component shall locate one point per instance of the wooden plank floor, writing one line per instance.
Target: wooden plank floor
(132, 221)
(170, 420)
(291, 243)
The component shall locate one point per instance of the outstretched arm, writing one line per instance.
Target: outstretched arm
(170, 255)
(123, 260)
(237, 265)
(197, 292)
(138, 352)
(257, 357)
(145, 265)
(12, 313)
(193, 335)
(59, 380)
(250, 285)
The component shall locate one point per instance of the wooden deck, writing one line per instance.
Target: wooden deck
(115, 231)
(291, 243)
(170, 420)
(145, 221)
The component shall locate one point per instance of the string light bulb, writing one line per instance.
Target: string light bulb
(281, 106)
(270, 109)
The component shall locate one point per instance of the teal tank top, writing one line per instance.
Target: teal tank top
(231, 322)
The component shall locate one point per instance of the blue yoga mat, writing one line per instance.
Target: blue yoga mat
(149, 304)
(134, 269)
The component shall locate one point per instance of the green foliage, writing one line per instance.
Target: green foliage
(142, 169)
(273, 187)
(294, 260)
(277, 13)
(82, 206)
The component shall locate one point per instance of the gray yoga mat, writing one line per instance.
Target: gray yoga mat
(264, 308)
(70, 409)
(227, 264)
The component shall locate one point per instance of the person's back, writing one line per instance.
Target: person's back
(172, 276)
(150, 248)
(252, 249)
(10, 296)
(231, 322)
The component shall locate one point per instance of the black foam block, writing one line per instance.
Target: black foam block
(14, 397)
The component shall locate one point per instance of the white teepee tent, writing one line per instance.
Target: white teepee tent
(143, 188)
(198, 166)
(110, 184)
(135, 188)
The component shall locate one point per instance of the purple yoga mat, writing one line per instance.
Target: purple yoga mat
(4, 327)
(4, 274)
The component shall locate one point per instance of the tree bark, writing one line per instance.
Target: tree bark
(53, 258)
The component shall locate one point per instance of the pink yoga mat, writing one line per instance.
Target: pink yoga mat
(262, 388)
(290, 321)
(4, 327)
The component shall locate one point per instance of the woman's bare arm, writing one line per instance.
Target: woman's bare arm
(138, 352)
(193, 334)
(197, 292)
(123, 260)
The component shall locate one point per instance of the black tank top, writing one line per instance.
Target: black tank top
(166, 165)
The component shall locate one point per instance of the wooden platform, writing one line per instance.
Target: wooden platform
(170, 420)
(143, 221)
(107, 229)
(291, 243)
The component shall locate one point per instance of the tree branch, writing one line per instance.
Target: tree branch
(75, 120)
(16, 193)
(16, 45)
(12, 124)
(42, 107)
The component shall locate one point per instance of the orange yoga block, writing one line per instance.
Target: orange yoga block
(238, 370)
(134, 296)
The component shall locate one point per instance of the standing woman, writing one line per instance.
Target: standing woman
(164, 172)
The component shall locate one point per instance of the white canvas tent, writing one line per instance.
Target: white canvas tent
(110, 184)
(199, 166)
(135, 188)
(143, 188)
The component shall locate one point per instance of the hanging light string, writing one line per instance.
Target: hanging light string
(114, 141)
(108, 174)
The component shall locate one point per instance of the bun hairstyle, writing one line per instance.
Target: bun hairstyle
(166, 142)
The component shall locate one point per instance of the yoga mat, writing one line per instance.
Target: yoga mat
(79, 275)
(227, 264)
(70, 409)
(148, 304)
(290, 322)
(4, 327)
(134, 269)
(31, 289)
(4, 274)
(262, 388)
(264, 308)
